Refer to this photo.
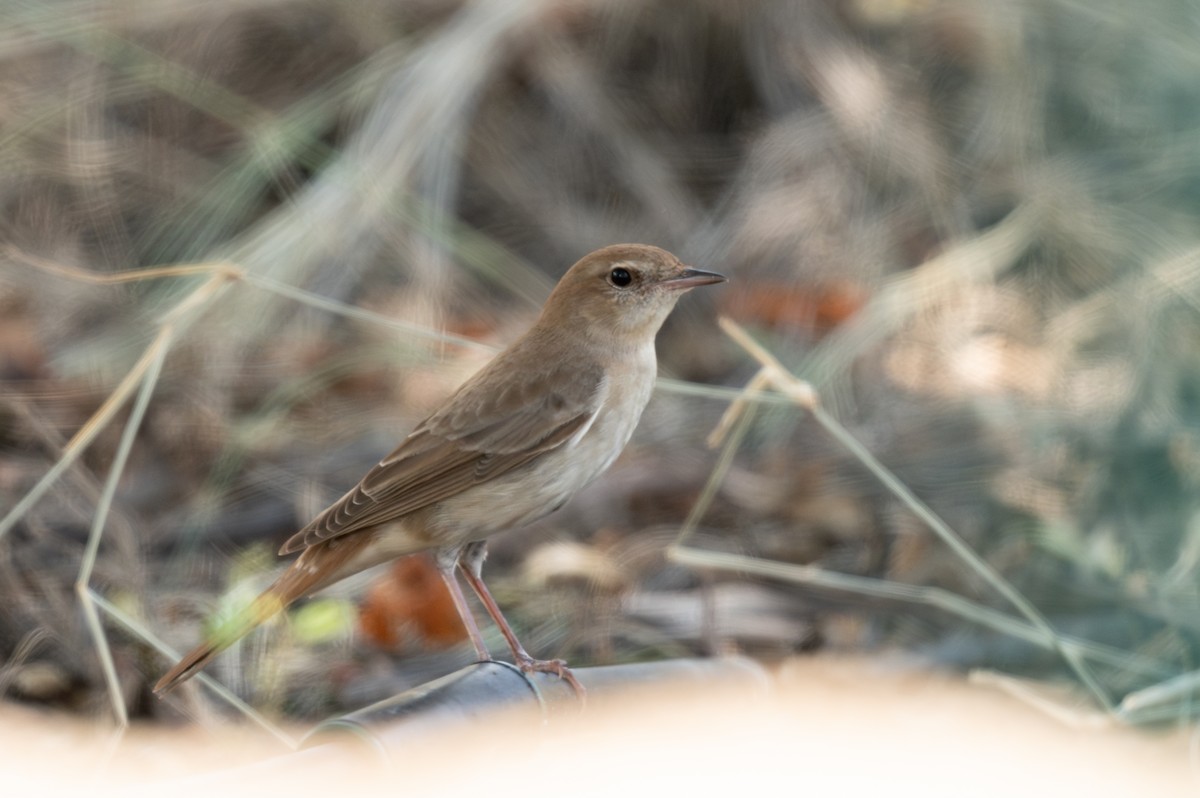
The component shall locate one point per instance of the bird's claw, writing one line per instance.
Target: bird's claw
(558, 667)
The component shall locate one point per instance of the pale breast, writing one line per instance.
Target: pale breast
(528, 493)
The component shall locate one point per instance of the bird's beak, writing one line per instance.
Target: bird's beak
(690, 278)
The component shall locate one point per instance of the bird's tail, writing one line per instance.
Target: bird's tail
(318, 566)
(262, 609)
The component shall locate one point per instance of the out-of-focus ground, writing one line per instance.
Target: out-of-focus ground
(972, 226)
(834, 724)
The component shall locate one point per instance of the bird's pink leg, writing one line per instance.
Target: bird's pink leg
(471, 563)
(447, 562)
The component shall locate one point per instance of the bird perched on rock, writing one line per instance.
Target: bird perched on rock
(541, 420)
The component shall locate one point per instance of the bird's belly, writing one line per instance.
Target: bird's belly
(537, 489)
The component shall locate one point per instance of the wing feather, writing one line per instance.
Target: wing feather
(479, 435)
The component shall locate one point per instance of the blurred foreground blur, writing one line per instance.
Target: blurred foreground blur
(833, 726)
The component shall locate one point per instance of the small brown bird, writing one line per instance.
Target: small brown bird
(516, 441)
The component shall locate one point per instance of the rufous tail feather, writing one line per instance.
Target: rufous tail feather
(318, 566)
(259, 611)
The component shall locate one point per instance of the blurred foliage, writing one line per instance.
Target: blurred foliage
(973, 225)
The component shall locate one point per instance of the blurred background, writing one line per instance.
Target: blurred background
(972, 226)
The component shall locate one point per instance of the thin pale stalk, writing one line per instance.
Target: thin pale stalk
(171, 324)
(144, 634)
(1183, 689)
(721, 392)
(352, 312)
(968, 555)
(737, 408)
(806, 397)
(935, 597)
(87, 433)
(720, 469)
(100, 517)
(965, 263)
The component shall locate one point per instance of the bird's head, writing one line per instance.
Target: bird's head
(624, 291)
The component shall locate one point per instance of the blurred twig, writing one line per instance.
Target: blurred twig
(100, 517)
(981, 259)
(174, 322)
(1171, 699)
(806, 397)
(143, 375)
(936, 597)
(144, 634)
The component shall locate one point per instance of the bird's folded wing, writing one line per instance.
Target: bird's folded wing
(477, 436)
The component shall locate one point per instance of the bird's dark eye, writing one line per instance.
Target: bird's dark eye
(620, 277)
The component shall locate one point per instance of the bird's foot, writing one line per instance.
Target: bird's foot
(556, 666)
